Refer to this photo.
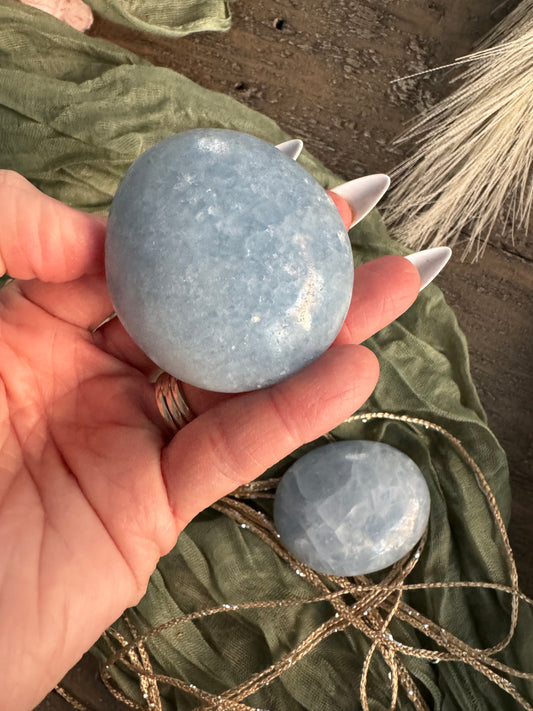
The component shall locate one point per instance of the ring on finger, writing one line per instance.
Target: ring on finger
(171, 402)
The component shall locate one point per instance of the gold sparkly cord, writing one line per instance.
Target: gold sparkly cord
(376, 606)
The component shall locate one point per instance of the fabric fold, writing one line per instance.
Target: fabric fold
(168, 18)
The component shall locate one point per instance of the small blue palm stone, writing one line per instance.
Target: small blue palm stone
(352, 507)
(227, 263)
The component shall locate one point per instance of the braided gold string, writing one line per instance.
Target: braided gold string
(357, 602)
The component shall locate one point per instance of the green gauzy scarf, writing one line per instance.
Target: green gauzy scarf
(166, 17)
(74, 113)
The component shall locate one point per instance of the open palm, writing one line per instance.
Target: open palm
(93, 489)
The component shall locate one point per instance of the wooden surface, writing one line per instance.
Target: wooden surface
(322, 70)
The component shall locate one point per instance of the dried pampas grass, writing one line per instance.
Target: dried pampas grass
(474, 160)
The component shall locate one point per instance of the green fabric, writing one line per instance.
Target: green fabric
(167, 17)
(74, 113)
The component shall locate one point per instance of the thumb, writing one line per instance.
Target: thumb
(40, 238)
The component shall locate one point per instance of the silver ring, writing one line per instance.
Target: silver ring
(171, 403)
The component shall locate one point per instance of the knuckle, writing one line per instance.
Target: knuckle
(291, 428)
(231, 464)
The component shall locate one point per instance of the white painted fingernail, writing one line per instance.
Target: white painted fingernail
(362, 194)
(429, 263)
(292, 149)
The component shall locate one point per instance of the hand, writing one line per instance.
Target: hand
(92, 493)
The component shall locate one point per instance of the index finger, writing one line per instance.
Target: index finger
(41, 238)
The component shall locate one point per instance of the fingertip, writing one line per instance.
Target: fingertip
(344, 209)
(384, 289)
(41, 238)
(407, 276)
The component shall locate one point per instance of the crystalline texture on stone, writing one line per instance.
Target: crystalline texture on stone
(227, 263)
(351, 507)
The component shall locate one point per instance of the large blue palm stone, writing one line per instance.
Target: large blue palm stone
(351, 507)
(227, 263)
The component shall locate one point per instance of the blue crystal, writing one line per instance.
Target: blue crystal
(351, 507)
(226, 261)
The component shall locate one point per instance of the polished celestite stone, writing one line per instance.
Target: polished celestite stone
(227, 263)
(351, 507)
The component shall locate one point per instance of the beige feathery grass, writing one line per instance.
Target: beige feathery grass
(473, 163)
